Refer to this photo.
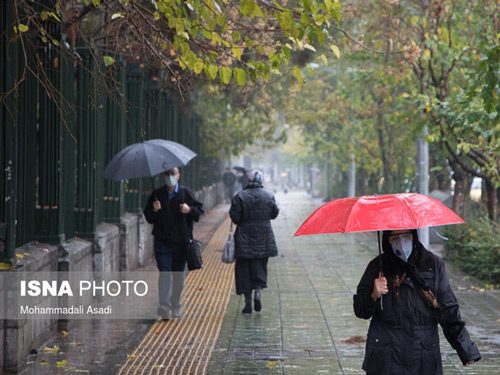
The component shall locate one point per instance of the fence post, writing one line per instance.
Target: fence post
(8, 133)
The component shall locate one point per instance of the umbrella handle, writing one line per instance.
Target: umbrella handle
(380, 262)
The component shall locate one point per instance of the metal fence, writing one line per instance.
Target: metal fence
(54, 147)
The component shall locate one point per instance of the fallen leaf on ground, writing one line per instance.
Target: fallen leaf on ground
(61, 363)
(271, 364)
(48, 349)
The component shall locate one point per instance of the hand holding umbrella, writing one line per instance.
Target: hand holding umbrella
(379, 287)
(378, 213)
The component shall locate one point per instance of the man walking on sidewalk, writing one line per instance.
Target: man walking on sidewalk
(252, 210)
(171, 209)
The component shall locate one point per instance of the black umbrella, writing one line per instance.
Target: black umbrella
(240, 169)
(147, 159)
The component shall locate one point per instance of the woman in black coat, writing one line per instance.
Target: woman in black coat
(416, 296)
(252, 210)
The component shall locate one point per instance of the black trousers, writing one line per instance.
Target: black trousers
(250, 274)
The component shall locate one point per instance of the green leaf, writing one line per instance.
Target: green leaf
(247, 7)
(286, 53)
(211, 71)
(298, 75)
(108, 60)
(198, 66)
(225, 74)
(22, 28)
(55, 16)
(236, 36)
(237, 52)
(240, 76)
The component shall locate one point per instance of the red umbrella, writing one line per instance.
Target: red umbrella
(377, 213)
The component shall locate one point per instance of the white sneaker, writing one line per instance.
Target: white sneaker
(176, 312)
(164, 313)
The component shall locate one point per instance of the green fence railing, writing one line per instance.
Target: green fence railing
(54, 144)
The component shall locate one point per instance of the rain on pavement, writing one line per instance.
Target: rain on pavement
(307, 325)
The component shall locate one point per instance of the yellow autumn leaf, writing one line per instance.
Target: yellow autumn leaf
(22, 28)
(335, 50)
(271, 364)
(61, 363)
(20, 256)
(54, 349)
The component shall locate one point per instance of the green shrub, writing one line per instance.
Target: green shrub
(475, 248)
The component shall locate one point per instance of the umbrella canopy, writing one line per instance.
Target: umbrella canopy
(147, 159)
(378, 213)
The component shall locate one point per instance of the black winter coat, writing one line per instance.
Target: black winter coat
(169, 224)
(403, 337)
(252, 210)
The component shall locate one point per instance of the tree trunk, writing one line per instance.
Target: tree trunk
(463, 182)
(491, 199)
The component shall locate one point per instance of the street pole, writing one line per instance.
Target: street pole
(351, 184)
(423, 178)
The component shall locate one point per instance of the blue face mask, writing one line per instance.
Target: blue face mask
(171, 181)
(402, 246)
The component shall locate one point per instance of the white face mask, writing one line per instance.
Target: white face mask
(402, 246)
(171, 181)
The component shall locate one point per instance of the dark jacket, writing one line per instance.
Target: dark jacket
(251, 210)
(229, 179)
(403, 337)
(169, 224)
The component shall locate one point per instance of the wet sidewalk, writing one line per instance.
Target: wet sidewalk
(103, 346)
(307, 325)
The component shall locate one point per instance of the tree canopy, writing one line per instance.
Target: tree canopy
(232, 42)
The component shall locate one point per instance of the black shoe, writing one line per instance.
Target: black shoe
(247, 309)
(257, 304)
(248, 303)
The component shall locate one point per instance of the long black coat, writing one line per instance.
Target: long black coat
(169, 224)
(403, 337)
(252, 210)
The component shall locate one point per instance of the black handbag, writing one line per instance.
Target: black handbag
(193, 255)
(193, 248)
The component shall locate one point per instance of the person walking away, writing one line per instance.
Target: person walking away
(403, 336)
(229, 180)
(171, 209)
(252, 210)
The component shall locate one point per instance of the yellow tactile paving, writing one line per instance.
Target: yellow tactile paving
(184, 346)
